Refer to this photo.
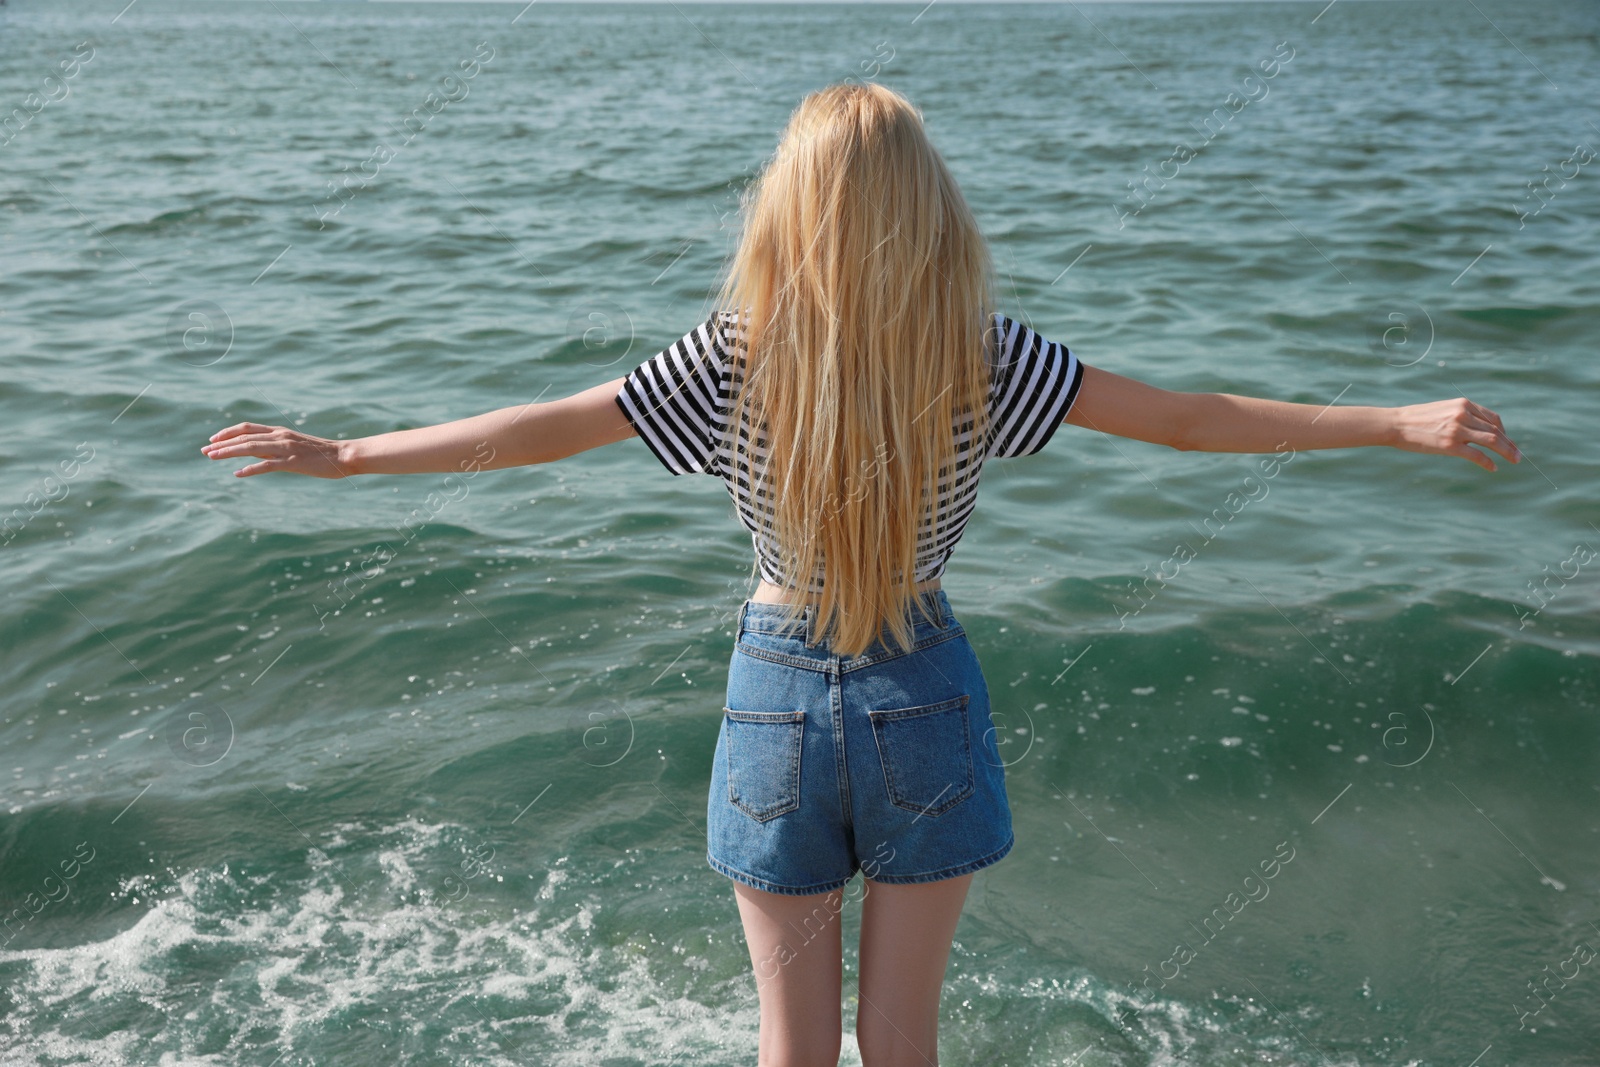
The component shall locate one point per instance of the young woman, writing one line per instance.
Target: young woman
(849, 408)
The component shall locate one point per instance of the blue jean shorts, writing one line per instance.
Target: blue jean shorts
(885, 762)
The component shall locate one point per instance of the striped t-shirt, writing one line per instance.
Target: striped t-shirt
(679, 401)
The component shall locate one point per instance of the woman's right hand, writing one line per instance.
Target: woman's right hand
(1450, 427)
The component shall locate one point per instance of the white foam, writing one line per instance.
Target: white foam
(299, 959)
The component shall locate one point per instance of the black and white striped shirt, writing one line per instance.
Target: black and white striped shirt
(679, 402)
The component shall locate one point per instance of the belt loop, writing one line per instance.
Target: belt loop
(810, 615)
(739, 630)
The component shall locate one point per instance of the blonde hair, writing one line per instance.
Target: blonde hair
(865, 288)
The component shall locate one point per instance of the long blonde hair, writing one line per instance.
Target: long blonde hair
(865, 288)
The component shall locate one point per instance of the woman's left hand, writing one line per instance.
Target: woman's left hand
(281, 449)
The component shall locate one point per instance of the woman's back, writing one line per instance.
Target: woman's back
(680, 403)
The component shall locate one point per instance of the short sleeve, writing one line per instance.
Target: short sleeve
(672, 399)
(1034, 384)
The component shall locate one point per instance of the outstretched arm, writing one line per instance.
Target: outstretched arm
(1222, 422)
(509, 437)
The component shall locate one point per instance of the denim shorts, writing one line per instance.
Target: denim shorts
(885, 762)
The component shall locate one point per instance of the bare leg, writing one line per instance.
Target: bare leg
(795, 950)
(906, 932)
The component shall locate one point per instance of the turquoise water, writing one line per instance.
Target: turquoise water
(460, 818)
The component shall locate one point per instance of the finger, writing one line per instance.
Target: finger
(1467, 452)
(1515, 455)
(244, 439)
(258, 468)
(1495, 438)
(239, 428)
(1498, 439)
(1501, 444)
(1484, 413)
(246, 447)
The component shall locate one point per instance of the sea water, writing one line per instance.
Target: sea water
(1302, 750)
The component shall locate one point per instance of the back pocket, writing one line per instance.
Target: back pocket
(763, 759)
(926, 754)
